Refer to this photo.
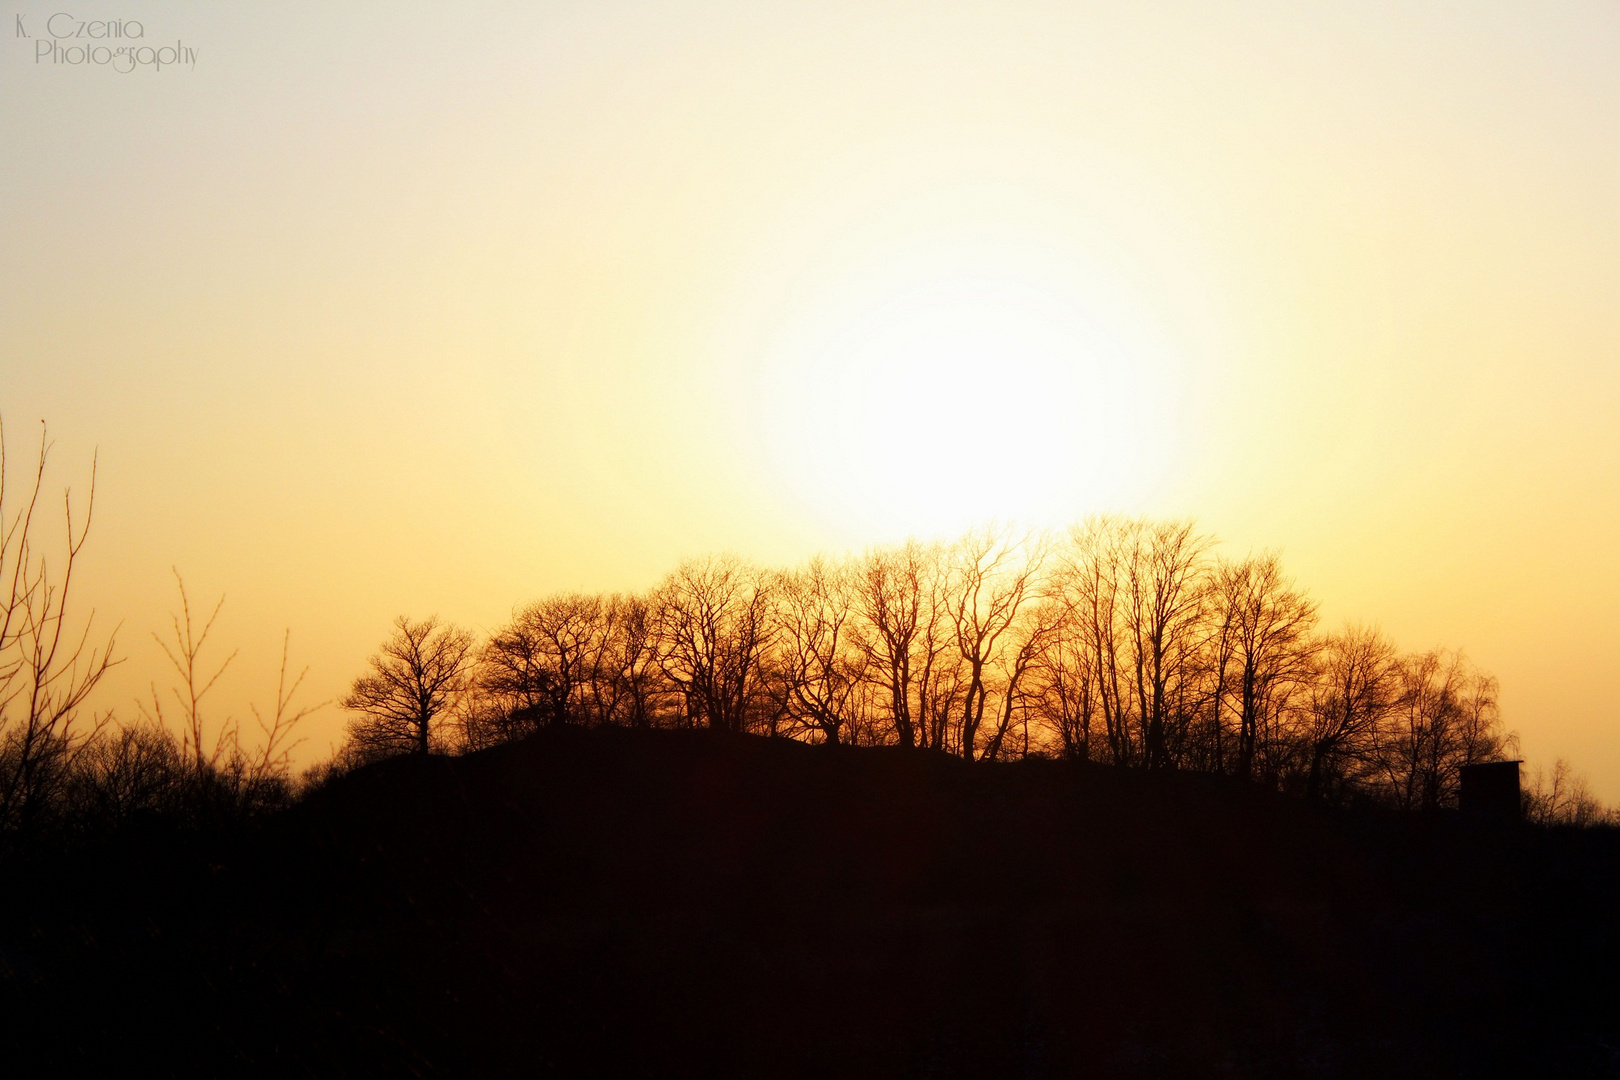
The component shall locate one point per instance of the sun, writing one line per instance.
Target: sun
(950, 396)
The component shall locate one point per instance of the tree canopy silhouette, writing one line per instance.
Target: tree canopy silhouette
(1122, 640)
(417, 675)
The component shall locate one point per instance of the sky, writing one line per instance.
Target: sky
(380, 309)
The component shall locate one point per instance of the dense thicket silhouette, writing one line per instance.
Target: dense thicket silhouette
(66, 775)
(223, 769)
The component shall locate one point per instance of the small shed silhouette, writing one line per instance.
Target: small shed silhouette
(1490, 789)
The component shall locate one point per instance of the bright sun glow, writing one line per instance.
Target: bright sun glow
(960, 396)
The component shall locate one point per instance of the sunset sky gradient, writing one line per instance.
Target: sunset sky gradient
(410, 308)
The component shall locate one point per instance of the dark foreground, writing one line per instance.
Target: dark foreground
(615, 903)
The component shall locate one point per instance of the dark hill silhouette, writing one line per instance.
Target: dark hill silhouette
(650, 903)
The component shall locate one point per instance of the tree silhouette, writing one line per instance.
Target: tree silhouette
(417, 676)
(1263, 653)
(1445, 718)
(713, 617)
(897, 594)
(46, 669)
(821, 676)
(993, 576)
(220, 769)
(1127, 641)
(1355, 687)
(1135, 592)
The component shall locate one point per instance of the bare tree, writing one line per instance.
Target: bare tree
(1355, 688)
(1068, 691)
(898, 594)
(543, 660)
(1446, 717)
(822, 672)
(1263, 654)
(274, 757)
(1562, 797)
(1165, 622)
(419, 674)
(627, 675)
(220, 768)
(185, 656)
(568, 658)
(46, 670)
(992, 575)
(1091, 586)
(713, 622)
(1031, 632)
(514, 671)
(1134, 590)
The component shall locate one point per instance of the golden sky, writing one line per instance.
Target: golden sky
(405, 308)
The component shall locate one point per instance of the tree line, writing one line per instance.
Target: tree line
(1123, 640)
